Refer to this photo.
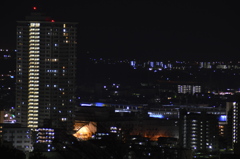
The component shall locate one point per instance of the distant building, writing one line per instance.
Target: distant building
(191, 89)
(45, 72)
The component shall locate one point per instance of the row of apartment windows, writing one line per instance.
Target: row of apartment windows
(17, 131)
(17, 137)
(35, 36)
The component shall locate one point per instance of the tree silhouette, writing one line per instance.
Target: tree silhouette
(11, 153)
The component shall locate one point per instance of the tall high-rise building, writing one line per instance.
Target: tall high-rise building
(45, 72)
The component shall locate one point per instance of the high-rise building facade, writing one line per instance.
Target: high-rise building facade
(198, 131)
(45, 72)
(233, 122)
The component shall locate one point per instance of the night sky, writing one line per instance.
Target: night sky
(148, 29)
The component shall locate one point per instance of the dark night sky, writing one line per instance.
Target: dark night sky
(152, 29)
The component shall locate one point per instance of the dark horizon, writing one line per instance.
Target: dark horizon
(142, 29)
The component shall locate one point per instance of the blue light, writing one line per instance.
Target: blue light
(222, 118)
(156, 116)
(99, 104)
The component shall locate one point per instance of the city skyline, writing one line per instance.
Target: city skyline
(140, 29)
(150, 109)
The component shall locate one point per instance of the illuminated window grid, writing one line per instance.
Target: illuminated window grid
(65, 34)
(235, 122)
(33, 81)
